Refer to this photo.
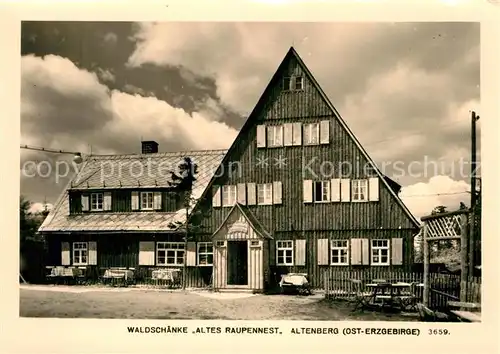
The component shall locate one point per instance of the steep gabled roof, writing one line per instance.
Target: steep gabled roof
(261, 102)
(123, 171)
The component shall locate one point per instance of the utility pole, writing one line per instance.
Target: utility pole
(472, 231)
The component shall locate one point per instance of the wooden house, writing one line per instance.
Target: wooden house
(295, 192)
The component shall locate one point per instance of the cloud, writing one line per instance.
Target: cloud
(64, 107)
(421, 198)
(243, 56)
(110, 38)
(38, 207)
(105, 75)
(136, 90)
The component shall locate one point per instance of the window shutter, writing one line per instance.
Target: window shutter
(217, 198)
(65, 254)
(107, 201)
(328, 191)
(251, 194)
(324, 132)
(397, 251)
(92, 253)
(85, 202)
(297, 134)
(365, 251)
(300, 252)
(261, 136)
(277, 192)
(288, 134)
(307, 191)
(242, 193)
(335, 190)
(356, 255)
(147, 253)
(135, 200)
(345, 190)
(191, 254)
(157, 200)
(373, 189)
(307, 134)
(323, 251)
(278, 138)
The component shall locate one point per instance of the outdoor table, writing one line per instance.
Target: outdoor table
(124, 275)
(390, 294)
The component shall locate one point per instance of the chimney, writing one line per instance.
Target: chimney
(149, 147)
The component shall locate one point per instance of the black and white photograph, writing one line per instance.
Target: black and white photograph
(268, 177)
(251, 171)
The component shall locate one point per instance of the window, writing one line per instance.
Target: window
(380, 252)
(274, 135)
(96, 201)
(339, 252)
(311, 134)
(229, 195)
(359, 190)
(284, 252)
(170, 253)
(321, 191)
(298, 83)
(293, 83)
(147, 200)
(205, 253)
(80, 250)
(265, 194)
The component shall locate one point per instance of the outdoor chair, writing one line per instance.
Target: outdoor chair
(361, 299)
(409, 300)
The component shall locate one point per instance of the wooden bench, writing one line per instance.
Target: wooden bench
(466, 311)
(427, 315)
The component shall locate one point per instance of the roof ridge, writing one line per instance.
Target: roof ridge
(159, 154)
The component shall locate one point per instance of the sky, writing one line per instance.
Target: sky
(406, 90)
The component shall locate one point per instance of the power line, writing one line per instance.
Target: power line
(432, 195)
(36, 148)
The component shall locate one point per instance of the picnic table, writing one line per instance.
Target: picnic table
(120, 275)
(170, 277)
(65, 274)
(392, 295)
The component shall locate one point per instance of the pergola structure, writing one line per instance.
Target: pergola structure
(446, 226)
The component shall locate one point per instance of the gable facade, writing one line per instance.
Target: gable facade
(295, 192)
(304, 176)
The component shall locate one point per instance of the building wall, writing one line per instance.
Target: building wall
(121, 200)
(294, 219)
(122, 250)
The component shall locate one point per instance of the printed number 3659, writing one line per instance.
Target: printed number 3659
(438, 332)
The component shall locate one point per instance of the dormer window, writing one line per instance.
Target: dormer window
(147, 200)
(96, 201)
(293, 83)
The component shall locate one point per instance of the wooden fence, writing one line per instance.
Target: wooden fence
(443, 287)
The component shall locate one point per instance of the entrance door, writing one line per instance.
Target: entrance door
(237, 263)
